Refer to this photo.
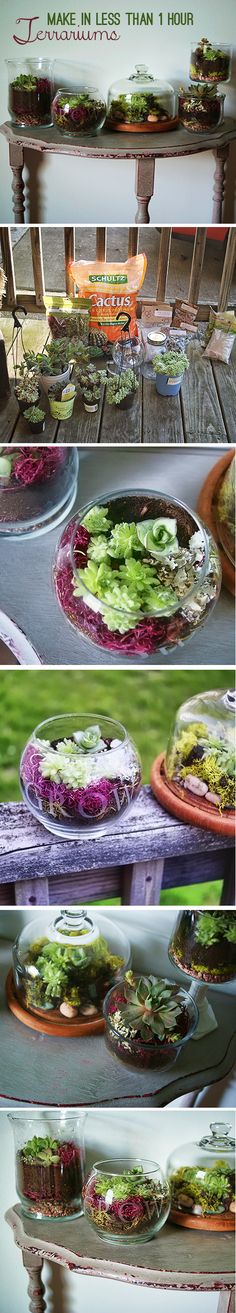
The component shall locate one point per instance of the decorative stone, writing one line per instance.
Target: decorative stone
(197, 1210)
(195, 785)
(213, 798)
(232, 1206)
(185, 1201)
(89, 1010)
(68, 1010)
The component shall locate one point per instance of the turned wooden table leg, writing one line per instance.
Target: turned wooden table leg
(144, 188)
(226, 1302)
(36, 1289)
(221, 156)
(16, 159)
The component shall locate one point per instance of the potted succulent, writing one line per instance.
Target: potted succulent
(90, 382)
(26, 389)
(121, 388)
(210, 63)
(148, 1019)
(61, 400)
(53, 364)
(169, 369)
(35, 418)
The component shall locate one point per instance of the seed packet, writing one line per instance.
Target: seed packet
(184, 316)
(113, 289)
(68, 316)
(220, 345)
(159, 315)
(224, 319)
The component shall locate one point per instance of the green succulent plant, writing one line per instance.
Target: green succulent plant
(120, 386)
(153, 1006)
(35, 415)
(43, 1150)
(173, 363)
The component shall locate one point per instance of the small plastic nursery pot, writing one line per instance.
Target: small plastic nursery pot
(26, 405)
(48, 381)
(168, 387)
(78, 774)
(61, 409)
(126, 1200)
(49, 1164)
(148, 1020)
(168, 382)
(37, 424)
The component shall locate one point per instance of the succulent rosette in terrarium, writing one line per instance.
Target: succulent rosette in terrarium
(200, 757)
(30, 92)
(200, 107)
(79, 110)
(49, 1164)
(37, 488)
(136, 573)
(148, 1019)
(64, 964)
(203, 945)
(78, 774)
(210, 63)
(126, 1200)
(202, 1181)
(141, 103)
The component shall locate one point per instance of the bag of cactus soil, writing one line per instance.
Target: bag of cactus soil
(221, 344)
(220, 319)
(113, 288)
(68, 316)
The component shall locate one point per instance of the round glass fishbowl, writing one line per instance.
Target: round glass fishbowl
(49, 1164)
(203, 945)
(201, 108)
(202, 1181)
(30, 92)
(148, 1020)
(78, 776)
(78, 110)
(38, 487)
(200, 756)
(126, 1200)
(210, 63)
(128, 353)
(63, 965)
(141, 103)
(225, 511)
(136, 573)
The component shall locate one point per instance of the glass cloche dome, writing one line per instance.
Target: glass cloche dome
(200, 757)
(202, 1181)
(141, 103)
(225, 511)
(63, 965)
(203, 945)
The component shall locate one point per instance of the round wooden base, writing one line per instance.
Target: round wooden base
(221, 1222)
(167, 126)
(208, 818)
(206, 507)
(50, 1026)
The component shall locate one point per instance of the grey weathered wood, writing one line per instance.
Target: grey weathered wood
(161, 422)
(37, 261)
(4, 377)
(226, 1303)
(226, 390)
(69, 248)
(122, 425)
(143, 883)
(228, 890)
(8, 265)
(197, 265)
(36, 1289)
(202, 415)
(31, 892)
(101, 243)
(163, 263)
(228, 270)
(133, 237)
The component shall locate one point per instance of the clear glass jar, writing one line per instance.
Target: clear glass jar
(78, 111)
(203, 944)
(128, 353)
(63, 966)
(49, 1163)
(148, 1020)
(126, 1200)
(200, 756)
(225, 511)
(201, 108)
(141, 103)
(210, 63)
(133, 611)
(30, 92)
(202, 1180)
(38, 487)
(79, 773)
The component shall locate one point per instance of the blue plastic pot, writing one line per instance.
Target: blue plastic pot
(166, 386)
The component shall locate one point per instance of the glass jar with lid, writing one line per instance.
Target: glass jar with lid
(200, 756)
(49, 1163)
(64, 964)
(141, 103)
(78, 110)
(210, 63)
(126, 1200)
(203, 945)
(201, 108)
(38, 486)
(225, 510)
(201, 1177)
(30, 92)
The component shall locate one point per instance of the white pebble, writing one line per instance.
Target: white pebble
(195, 785)
(68, 1010)
(214, 799)
(89, 1010)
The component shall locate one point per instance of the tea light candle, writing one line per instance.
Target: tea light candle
(156, 337)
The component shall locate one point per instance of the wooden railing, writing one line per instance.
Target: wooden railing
(34, 299)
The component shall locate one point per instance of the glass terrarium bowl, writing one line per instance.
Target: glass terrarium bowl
(38, 487)
(126, 1200)
(30, 92)
(79, 775)
(78, 111)
(203, 945)
(210, 63)
(202, 1181)
(225, 511)
(64, 963)
(200, 756)
(49, 1164)
(201, 108)
(148, 1020)
(130, 588)
(128, 353)
(141, 103)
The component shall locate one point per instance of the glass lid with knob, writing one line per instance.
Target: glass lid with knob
(63, 965)
(203, 945)
(201, 1176)
(141, 103)
(200, 757)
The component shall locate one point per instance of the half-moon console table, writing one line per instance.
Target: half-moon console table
(202, 1263)
(115, 146)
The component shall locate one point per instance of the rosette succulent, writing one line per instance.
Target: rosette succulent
(152, 1007)
(80, 779)
(76, 112)
(30, 96)
(68, 980)
(200, 107)
(49, 1177)
(147, 1020)
(129, 1204)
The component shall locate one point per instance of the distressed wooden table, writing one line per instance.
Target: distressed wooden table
(200, 1262)
(128, 146)
(148, 852)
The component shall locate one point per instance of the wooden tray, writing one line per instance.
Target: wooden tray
(223, 1222)
(206, 509)
(66, 1028)
(167, 126)
(194, 813)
